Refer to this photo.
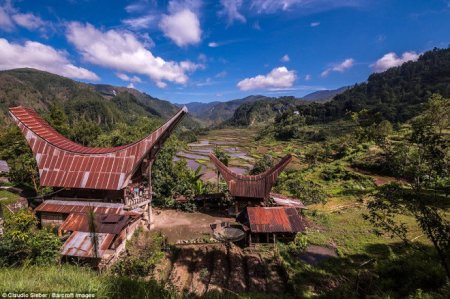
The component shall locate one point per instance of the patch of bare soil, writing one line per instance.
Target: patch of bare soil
(177, 225)
(256, 273)
(220, 269)
(200, 269)
(236, 280)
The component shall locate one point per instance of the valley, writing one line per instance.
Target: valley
(367, 171)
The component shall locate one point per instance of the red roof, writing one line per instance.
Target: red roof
(80, 244)
(251, 186)
(272, 220)
(64, 163)
(111, 224)
(69, 207)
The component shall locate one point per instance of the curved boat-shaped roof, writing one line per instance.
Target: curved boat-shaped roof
(64, 163)
(251, 186)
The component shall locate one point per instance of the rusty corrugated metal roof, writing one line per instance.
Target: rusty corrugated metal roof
(274, 220)
(111, 224)
(80, 244)
(64, 163)
(251, 186)
(287, 201)
(69, 207)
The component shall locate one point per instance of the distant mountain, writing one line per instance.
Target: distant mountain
(214, 113)
(324, 95)
(261, 111)
(397, 94)
(104, 104)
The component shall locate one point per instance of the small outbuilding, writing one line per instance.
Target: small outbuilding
(269, 224)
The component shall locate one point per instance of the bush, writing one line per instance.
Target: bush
(23, 243)
(144, 251)
(299, 244)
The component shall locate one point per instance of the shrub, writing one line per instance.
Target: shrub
(23, 243)
(144, 251)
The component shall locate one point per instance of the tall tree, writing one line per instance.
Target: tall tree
(423, 160)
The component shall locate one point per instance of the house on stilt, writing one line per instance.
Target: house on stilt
(251, 194)
(114, 182)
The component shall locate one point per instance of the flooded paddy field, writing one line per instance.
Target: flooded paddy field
(236, 143)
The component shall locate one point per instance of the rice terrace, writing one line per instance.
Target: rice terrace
(224, 149)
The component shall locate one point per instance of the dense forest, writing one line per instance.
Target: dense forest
(397, 95)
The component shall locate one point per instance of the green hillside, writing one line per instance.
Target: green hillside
(105, 105)
(397, 95)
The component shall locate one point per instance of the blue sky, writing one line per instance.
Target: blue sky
(194, 50)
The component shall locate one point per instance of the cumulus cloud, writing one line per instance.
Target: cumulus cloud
(125, 77)
(122, 51)
(213, 45)
(279, 77)
(341, 67)
(392, 60)
(285, 58)
(39, 56)
(131, 85)
(182, 27)
(231, 11)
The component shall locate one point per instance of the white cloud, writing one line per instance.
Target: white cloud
(29, 21)
(285, 58)
(272, 6)
(125, 77)
(179, 5)
(131, 85)
(213, 45)
(231, 11)
(221, 74)
(139, 6)
(42, 57)
(341, 67)
(308, 77)
(142, 22)
(279, 77)
(314, 24)
(10, 17)
(391, 60)
(182, 27)
(122, 51)
(6, 22)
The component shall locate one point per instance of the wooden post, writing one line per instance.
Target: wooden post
(149, 211)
